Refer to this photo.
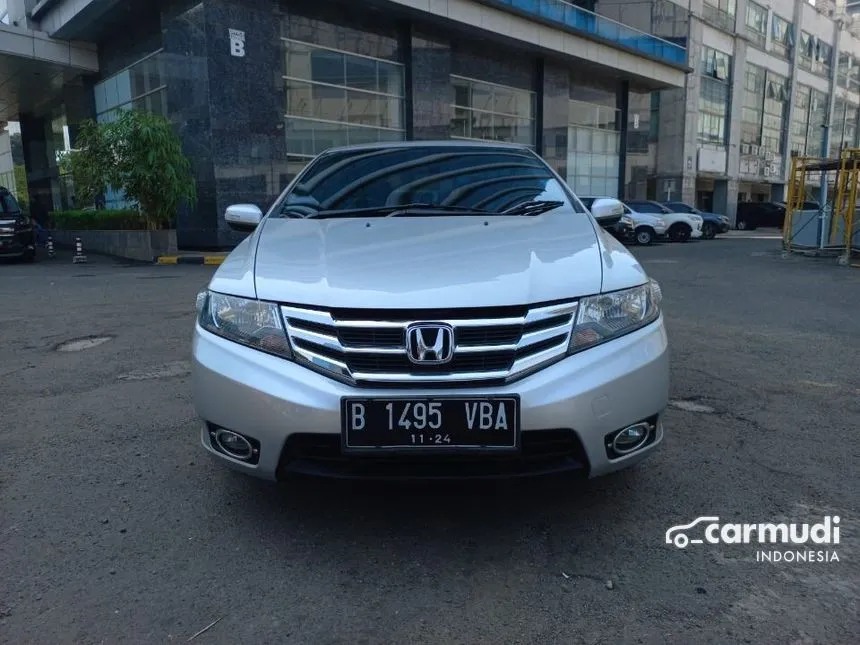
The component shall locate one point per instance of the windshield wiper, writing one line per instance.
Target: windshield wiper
(532, 208)
(394, 211)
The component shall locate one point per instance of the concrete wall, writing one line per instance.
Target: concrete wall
(7, 164)
(144, 246)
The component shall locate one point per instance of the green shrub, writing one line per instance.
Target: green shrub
(104, 220)
(140, 155)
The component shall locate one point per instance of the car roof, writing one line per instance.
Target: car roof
(489, 145)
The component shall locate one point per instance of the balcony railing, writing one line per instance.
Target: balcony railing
(581, 21)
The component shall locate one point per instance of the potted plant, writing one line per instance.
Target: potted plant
(140, 155)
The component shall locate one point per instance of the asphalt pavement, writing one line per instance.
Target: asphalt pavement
(116, 527)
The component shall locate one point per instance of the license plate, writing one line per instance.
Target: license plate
(439, 423)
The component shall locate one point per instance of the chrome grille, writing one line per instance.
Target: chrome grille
(368, 347)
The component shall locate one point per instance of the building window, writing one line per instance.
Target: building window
(488, 111)
(756, 23)
(848, 72)
(807, 50)
(720, 13)
(850, 129)
(143, 86)
(335, 98)
(593, 154)
(755, 79)
(782, 36)
(776, 100)
(824, 58)
(807, 131)
(815, 55)
(714, 96)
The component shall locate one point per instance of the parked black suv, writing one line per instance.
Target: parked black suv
(17, 233)
(752, 215)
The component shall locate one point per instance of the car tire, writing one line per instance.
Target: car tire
(644, 236)
(30, 256)
(680, 233)
(709, 231)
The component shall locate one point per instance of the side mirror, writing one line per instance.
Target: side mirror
(243, 217)
(605, 208)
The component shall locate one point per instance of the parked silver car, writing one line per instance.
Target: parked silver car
(443, 309)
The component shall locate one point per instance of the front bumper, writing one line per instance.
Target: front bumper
(294, 414)
(17, 245)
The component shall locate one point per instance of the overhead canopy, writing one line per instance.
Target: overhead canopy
(34, 68)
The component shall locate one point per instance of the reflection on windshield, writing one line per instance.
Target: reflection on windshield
(460, 178)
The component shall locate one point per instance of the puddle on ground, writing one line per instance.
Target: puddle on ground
(692, 406)
(80, 344)
(169, 370)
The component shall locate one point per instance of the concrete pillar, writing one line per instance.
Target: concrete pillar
(691, 109)
(726, 197)
(18, 12)
(721, 195)
(778, 192)
(733, 149)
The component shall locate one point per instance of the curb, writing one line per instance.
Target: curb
(212, 260)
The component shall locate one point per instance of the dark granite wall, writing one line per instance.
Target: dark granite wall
(186, 65)
(139, 37)
(431, 90)
(246, 106)
(486, 61)
(555, 102)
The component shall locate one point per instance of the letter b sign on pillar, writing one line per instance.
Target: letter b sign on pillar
(237, 43)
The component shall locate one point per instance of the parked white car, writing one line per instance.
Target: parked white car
(647, 228)
(681, 226)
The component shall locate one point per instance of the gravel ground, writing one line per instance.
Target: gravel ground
(115, 527)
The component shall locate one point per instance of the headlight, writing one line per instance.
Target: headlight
(610, 315)
(626, 219)
(249, 322)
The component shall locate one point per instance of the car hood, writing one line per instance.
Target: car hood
(415, 262)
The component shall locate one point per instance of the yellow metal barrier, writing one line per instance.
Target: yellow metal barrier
(842, 180)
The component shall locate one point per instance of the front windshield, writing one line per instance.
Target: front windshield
(460, 179)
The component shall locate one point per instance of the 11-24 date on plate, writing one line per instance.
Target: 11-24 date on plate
(443, 422)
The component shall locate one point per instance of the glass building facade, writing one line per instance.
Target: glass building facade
(492, 112)
(313, 75)
(594, 144)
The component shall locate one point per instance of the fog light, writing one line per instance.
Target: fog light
(631, 438)
(234, 444)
